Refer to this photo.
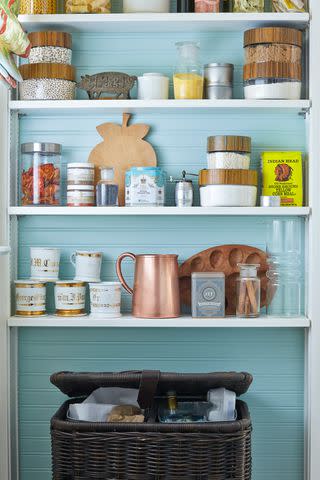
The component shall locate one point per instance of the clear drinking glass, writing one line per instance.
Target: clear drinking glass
(285, 273)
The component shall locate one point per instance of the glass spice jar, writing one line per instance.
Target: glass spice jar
(38, 7)
(248, 291)
(40, 174)
(248, 6)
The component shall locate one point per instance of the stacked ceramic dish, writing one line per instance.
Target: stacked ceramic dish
(228, 182)
(273, 68)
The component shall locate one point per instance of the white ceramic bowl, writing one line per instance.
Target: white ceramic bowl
(146, 6)
(228, 196)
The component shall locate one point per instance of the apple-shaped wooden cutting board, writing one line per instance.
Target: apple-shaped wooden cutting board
(123, 147)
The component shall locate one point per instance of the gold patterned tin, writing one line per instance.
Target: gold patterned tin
(30, 298)
(70, 298)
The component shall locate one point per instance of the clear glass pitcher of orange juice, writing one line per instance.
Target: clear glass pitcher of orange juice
(188, 74)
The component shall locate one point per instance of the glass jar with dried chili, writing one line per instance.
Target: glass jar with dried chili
(40, 173)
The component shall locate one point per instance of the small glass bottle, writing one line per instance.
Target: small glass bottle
(185, 5)
(248, 6)
(248, 291)
(188, 75)
(107, 190)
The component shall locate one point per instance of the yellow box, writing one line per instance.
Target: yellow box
(282, 176)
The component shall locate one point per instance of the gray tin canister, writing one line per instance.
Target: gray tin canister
(218, 78)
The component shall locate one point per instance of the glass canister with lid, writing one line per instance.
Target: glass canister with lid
(50, 47)
(88, 6)
(229, 152)
(47, 81)
(188, 74)
(38, 7)
(273, 44)
(272, 81)
(40, 174)
(248, 6)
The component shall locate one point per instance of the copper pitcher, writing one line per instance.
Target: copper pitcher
(156, 285)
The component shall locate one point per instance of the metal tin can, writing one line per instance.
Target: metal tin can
(30, 298)
(218, 73)
(184, 193)
(80, 173)
(145, 186)
(70, 298)
(80, 196)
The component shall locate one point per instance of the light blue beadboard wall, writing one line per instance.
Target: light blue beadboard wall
(275, 357)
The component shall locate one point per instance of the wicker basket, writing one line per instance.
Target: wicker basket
(151, 451)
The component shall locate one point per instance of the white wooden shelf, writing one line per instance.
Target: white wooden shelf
(69, 107)
(161, 211)
(165, 22)
(183, 322)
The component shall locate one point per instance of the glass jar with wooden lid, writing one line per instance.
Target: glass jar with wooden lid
(228, 188)
(272, 81)
(228, 151)
(38, 7)
(88, 6)
(47, 81)
(273, 44)
(50, 47)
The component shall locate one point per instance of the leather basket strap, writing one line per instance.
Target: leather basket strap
(148, 388)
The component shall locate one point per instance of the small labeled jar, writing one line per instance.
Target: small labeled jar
(273, 44)
(40, 174)
(229, 152)
(248, 291)
(248, 6)
(272, 81)
(88, 6)
(80, 173)
(30, 298)
(80, 196)
(47, 81)
(70, 298)
(38, 7)
(50, 47)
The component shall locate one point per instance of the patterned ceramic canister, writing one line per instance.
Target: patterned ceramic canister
(30, 298)
(45, 264)
(70, 298)
(87, 265)
(105, 299)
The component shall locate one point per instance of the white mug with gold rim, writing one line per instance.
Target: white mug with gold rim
(70, 298)
(105, 299)
(45, 264)
(87, 265)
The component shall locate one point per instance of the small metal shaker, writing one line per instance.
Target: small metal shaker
(183, 191)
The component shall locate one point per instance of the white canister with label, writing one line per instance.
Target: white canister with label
(45, 264)
(30, 298)
(105, 299)
(87, 265)
(70, 298)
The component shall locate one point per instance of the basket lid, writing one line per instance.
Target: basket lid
(80, 384)
(48, 70)
(226, 176)
(50, 39)
(290, 36)
(272, 70)
(229, 143)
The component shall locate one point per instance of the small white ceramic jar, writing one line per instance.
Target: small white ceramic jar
(80, 196)
(45, 264)
(30, 298)
(153, 86)
(146, 6)
(87, 265)
(80, 173)
(70, 298)
(105, 299)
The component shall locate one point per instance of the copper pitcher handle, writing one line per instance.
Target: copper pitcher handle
(119, 272)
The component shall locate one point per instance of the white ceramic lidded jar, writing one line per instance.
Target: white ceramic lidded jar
(146, 6)
(153, 86)
(30, 298)
(228, 188)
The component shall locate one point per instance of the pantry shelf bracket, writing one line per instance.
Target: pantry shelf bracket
(305, 112)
